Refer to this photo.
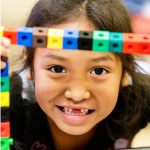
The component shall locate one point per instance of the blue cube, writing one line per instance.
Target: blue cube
(70, 39)
(115, 42)
(25, 36)
(4, 72)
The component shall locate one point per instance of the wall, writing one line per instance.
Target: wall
(14, 13)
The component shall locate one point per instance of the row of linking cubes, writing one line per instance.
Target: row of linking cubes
(97, 40)
(5, 140)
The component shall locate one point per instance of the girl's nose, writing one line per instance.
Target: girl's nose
(77, 94)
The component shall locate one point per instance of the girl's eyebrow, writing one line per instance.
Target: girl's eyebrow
(60, 58)
(102, 58)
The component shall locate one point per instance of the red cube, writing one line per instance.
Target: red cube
(130, 43)
(143, 44)
(5, 129)
(11, 33)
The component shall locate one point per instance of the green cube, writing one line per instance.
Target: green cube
(5, 143)
(115, 42)
(101, 41)
(5, 84)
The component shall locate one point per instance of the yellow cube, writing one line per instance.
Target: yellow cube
(55, 38)
(5, 99)
(1, 31)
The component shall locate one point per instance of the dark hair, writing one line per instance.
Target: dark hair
(108, 15)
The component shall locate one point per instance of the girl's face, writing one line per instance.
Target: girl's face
(76, 89)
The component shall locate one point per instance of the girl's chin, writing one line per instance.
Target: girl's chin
(67, 128)
(73, 131)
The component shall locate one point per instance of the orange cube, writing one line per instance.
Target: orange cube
(130, 43)
(5, 129)
(11, 33)
(143, 44)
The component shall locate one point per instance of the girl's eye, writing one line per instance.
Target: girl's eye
(57, 69)
(99, 71)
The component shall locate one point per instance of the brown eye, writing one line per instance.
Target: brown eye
(57, 69)
(99, 71)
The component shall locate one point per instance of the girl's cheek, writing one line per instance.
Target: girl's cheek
(107, 107)
(47, 89)
(107, 100)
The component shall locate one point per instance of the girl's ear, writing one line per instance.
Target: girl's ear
(24, 53)
(125, 80)
(28, 71)
(29, 75)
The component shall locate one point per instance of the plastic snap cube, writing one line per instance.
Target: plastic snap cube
(5, 84)
(130, 45)
(25, 36)
(70, 39)
(85, 40)
(143, 44)
(5, 143)
(5, 99)
(5, 129)
(55, 38)
(101, 41)
(115, 42)
(1, 31)
(11, 33)
(4, 114)
(40, 37)
(4, 72)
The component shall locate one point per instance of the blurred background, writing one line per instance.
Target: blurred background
(14, 13)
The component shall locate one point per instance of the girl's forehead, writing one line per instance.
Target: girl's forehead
(70, 55)
(80, 23)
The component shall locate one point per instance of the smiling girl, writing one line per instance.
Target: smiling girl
(85, 99)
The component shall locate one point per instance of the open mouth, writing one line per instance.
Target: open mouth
(75, 111)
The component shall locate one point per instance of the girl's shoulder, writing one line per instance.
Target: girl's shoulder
(29, 125)
(28, 122)
(143, 86)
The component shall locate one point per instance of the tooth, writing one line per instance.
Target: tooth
(70, 110)
(82, 110)
(86, 110)
(65, 108)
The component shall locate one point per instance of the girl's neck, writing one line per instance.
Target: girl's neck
(65, 141)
